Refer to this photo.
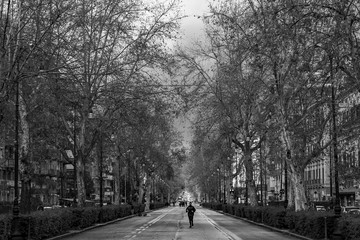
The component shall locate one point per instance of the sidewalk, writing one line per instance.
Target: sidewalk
(74, 232)
(286, 232)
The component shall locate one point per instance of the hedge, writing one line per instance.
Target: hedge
(157, 205)
(350, 226)
(306, 223)
(49, 223)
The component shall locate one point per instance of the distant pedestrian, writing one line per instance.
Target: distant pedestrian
(191, 211)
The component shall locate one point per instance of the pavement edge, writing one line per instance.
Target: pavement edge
(286, 232)
(74, 232)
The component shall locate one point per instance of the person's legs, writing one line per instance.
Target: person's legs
(191, 219)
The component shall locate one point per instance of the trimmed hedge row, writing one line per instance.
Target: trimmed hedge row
(306, 223)
(50, 223)
(350, 226)
(157, 205)
(310, 223)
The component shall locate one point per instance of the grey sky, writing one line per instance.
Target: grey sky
(192, 29)
(192, 26)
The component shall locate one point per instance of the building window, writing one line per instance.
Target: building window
(9, 152)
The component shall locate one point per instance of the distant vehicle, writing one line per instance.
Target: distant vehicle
(354, 211)
(56, 206)
(53, 207)
(348, 208)
(320, 208)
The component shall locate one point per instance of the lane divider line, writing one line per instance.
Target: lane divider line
(220, 229)
(145, 226)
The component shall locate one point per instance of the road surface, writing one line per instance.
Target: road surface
(172, 224)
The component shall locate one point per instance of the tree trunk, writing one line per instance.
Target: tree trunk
(25, 204)
(249, 168)
(299, 190)
(291, 193)
(80, 170)
(80, 165)
(148, 191)
(25, 165)
(117, 188)
(296, 173)
(141, 194)
(143, 180)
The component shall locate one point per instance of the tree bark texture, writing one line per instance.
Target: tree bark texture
(296, 172)
(249, 168)
(25, 165)
(117, 190)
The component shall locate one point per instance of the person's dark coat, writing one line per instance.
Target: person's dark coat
(190, 210)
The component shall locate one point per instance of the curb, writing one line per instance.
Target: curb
(74, 232)
(286, 232)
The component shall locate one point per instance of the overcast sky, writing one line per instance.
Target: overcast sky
(192, 29)
(192, 26)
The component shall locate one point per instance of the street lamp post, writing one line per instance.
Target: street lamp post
(224, 190)
(286, 180)
(246, 192)
(101, 168)
(337, 208)
(261, 178)
(219, 184)
(74, 155)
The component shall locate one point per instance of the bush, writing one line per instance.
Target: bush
(213, 205)
(310, 223)
(139, 208)
(54, 222)
(306, 223)
(6, 207)
(5, 224)
(275, 217)
(156, 205)
(350, 226)
(45, 224)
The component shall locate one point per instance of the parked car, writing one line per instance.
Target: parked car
(320, 208)
(354, 211)
(348, 208)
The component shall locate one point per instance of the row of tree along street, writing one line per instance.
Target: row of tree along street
(269, 77)
(277, 79)
(90, 77)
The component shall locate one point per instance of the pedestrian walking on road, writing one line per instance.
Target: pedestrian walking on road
(191, 211)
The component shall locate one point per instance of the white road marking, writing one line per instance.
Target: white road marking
(146, 225)
(221, 229)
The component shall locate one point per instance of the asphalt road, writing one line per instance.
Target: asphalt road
(172, 224)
